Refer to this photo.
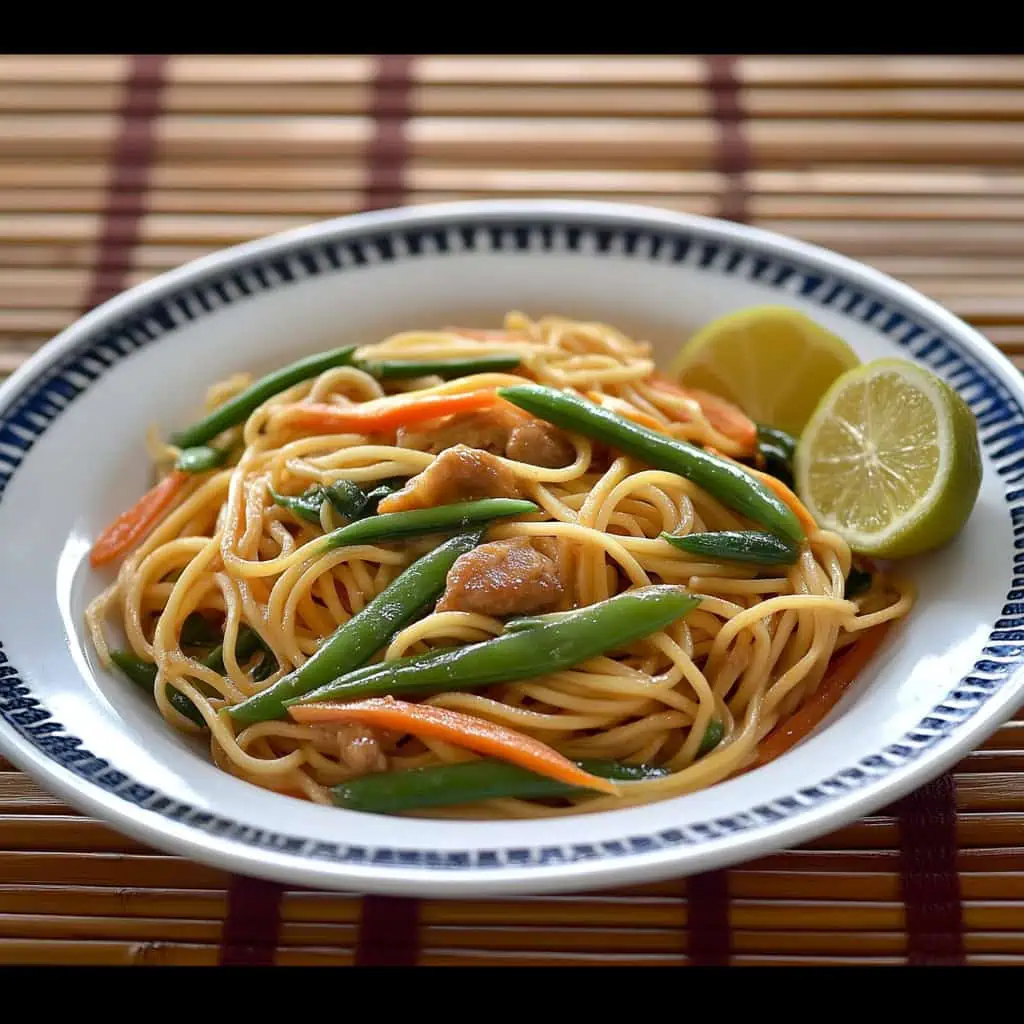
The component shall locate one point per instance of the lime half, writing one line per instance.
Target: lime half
(890, 460)
(771, 361)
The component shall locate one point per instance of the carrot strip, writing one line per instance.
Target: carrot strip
(773, 483)
(841, 673)
(131, 526)
(462, 730)
(385, 414)
(727, 418)
(724, 416)
(624, 409)
(787, 495)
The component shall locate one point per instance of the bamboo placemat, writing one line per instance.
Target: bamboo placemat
(114, 168)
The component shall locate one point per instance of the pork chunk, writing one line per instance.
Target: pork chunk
(487, 429)
(505, 577)
(539, 444)
(460, 473)
(502, 430)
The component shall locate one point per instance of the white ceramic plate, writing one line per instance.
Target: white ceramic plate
(71, 456)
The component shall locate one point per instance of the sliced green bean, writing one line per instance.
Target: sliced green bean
(720, 478)
(712, 737)
(381, 491)
(399, 369)
(778, 450)
(420, 521)
(749, 546)
(785, 442)
(857, 582)
(305, 506)
(517, 625)
(347, 498)
(235, 411)
(246, 645)
(359, 639)
(143, 674)
(524, 654)
(200, 459)
(196, 631)
(469, 782)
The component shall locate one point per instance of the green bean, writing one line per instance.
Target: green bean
(522, 654)
(469, 782)
(266, 666)
(712, 737)
(196, 631)
(517, 625)
(359, 639)
(347, 497)
(200, 459)
(720, 478)
(777, 437)
(235, 411)
(350, 501)
(246, 645)
(399, 369)
(778, 449)
(749, 546)
(857, 582)
(143, 673)
(442, 519)
(381, 491)
(305, 506)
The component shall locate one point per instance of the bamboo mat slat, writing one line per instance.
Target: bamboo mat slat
(912, 164)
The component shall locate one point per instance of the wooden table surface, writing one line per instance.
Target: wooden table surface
(115, 168)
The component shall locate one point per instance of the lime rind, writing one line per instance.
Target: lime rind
(890, 460)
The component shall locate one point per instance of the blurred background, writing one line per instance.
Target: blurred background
(116, 168)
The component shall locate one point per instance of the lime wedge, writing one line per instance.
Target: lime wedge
(771, 361)
(890, 460)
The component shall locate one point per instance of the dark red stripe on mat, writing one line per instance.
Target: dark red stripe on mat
(707, 919)
(389, 932)
(388, 152)
(251, 924)
(388, 925)
(130, 163)
(928, 875)
(733, 159)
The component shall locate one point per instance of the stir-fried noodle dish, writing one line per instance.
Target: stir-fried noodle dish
(483, 574)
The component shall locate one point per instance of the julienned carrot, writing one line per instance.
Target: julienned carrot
(462, 730)
(782, 491)
(630, 412)
(839, 676)
(131, 526)
(385, 414)
(787, 495)
(723, 415)
(727, 418)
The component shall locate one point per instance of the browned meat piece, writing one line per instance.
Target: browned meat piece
(457, 474)
(539, 444)
(359, 749)
(503, 430)
(488, 430)
(505, 577)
